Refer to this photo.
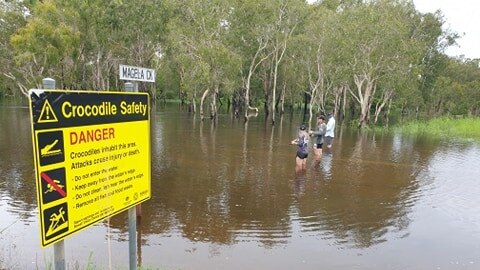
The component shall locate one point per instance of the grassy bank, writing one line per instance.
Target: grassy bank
(467, 128)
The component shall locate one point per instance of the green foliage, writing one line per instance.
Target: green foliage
(47, 41)
(457, 89)
(11, 18)
(443, 127)
(198, 45)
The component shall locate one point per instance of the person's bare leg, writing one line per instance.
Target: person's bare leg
(304, 164)
(300, 164)
(318, 154)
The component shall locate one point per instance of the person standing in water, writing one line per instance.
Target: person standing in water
(319, 133)
(302, 148)
(329, 134)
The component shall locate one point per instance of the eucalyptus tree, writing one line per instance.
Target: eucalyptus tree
(12, 17)
(288, 14)
(405, 50)
(457, 89)
(82, 43)
(45, 46)
(434, 60)
(383, 48)
(197, 34)
(117, 32)
(337, 49)
(468, 72)
(251, 32)
(294, 79)
(314, 53)
(410, 80)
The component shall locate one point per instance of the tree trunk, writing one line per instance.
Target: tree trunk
(307, 100)
(274, 90)
(213, 108)
(386, 97)
(344, 102)
(387, 114)
(201, 103)
(404, 109)
(365, 89)
(266, 92)
(278, 59)
(310, 111)
(282, 99)
(337, 99)
(253, 66)
(194, 105)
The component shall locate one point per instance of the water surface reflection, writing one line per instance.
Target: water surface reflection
(226, 195)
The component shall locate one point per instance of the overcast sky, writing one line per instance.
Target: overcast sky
(462, 17)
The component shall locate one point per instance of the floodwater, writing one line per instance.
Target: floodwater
(228, 197)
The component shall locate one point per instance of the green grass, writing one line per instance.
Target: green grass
(466, 128)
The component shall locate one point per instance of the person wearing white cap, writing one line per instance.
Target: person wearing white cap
(329, 134)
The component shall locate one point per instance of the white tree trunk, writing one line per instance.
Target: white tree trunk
(201, 103)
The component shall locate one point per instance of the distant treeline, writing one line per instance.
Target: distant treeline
(364, 60)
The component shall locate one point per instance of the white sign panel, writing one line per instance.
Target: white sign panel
(130, 73)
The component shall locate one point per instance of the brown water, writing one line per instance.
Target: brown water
(228, 197)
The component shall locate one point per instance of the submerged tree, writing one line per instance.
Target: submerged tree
(197, 35)
(369, 57)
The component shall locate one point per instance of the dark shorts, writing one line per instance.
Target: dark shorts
(329, 140)
(318, 145)
(302, 155)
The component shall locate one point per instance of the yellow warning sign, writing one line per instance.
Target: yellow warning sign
(47, 115)
(92, 158)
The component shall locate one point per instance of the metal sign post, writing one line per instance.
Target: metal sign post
(132, 215)
(134, 74)
(59, 247)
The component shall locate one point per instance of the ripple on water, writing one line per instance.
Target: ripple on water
(267, 235)
(454, 186)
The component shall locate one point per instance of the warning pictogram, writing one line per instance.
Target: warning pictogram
(47, 115)
(55, 220)
(54, 185)
(51, 147)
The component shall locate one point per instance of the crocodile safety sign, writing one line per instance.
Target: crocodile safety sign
(91, 155)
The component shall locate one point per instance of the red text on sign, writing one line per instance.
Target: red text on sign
(92, 135)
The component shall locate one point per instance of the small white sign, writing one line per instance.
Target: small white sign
(130, 73)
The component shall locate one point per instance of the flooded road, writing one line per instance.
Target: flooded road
(228, 197)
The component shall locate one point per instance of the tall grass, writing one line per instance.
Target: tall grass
(467, 128)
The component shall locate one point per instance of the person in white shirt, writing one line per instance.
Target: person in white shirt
(329, 134)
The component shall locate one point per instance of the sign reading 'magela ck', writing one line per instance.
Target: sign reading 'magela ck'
(130, 73)
(91, 154)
